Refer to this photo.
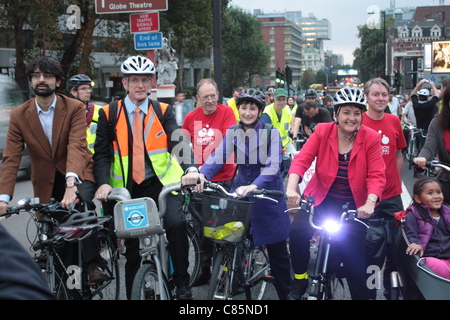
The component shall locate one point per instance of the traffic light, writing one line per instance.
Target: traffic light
(288, 75)
(280, 78)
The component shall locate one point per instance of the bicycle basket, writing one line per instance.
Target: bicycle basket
(225, 219)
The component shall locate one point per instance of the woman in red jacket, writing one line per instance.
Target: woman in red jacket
(349, 169)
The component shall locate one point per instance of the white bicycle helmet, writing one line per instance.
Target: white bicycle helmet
(423, 92)
(137, 65)
(349, 96)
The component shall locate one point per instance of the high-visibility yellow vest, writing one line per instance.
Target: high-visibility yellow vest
(281, 124)
(166, 168)
(91, 130)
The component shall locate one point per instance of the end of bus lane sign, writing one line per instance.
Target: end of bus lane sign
(148, 41)
(120, 6)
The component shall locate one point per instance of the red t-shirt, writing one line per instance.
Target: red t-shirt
(392, 139)
(206, 134)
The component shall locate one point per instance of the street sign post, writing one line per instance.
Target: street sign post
(148, 41)
(144, 22)
(120, 6)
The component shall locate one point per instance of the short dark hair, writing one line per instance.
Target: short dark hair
(309, 104)
(46, 65)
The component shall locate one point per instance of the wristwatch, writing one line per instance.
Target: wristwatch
(71, 184)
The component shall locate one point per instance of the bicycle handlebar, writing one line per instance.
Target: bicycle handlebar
(258, 193)
(307, 206)
(435, 163)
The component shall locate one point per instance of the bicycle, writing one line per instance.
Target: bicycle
(321, 286)
(412, 151)
(141, 218)
(238, 266)
(56, 226)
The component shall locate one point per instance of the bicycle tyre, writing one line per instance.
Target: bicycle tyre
(411, 151)
(256, 270)
(59, 288)
(146, 284)
(109, 290)
(195, 255)
(220, 283)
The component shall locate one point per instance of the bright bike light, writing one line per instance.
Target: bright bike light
(331, 226)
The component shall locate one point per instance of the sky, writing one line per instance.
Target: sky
(344, 16)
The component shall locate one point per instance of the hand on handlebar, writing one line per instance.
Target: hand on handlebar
(366, 211)
(420, 162)
(102, 192)
(3, 208)
(293, 196)
(242, 191)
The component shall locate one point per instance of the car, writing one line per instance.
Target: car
(11, 97)
(99, 103)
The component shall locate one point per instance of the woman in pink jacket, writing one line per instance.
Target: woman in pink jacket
(349, 169)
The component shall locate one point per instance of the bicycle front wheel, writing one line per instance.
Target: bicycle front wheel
(256, 271)
(55, 280)
(220, 285)
(195, 255)
(108, 290)
(146, 285)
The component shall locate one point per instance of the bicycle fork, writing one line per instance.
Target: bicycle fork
(320, 277)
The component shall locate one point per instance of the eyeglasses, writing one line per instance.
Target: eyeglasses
(212, 98)
(137, 80)
(45, 75)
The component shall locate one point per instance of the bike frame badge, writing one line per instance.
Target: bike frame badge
(135, 215)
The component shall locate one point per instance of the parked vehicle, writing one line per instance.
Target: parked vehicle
(11, 97)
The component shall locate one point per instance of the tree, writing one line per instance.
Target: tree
(245, 52)
(370, 57)
(189, 24)
(308, 78)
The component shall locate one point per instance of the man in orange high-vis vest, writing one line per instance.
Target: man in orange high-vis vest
(158, 169)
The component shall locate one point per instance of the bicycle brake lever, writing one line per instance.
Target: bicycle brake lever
(261, 196)
(365, 224)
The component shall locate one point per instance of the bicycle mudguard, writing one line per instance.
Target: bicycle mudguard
(136, 218)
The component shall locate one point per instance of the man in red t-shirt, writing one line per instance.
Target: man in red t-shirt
(206, 126)
(392, 142)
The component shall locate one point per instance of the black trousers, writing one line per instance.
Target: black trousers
(174, 226)
(348, 247)
(280, 267)
(69, 253)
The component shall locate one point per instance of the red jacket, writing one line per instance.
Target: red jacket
(366, 168)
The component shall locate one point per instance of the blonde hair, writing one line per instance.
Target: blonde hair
(372, 81)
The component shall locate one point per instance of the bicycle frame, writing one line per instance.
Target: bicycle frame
(321, 277)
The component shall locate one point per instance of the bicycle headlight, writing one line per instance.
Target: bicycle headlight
(331, 226)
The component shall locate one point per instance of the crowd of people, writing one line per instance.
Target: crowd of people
(355, 140)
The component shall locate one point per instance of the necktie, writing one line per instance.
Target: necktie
(138, 148)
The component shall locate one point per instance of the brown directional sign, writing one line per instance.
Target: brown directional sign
(119, 6)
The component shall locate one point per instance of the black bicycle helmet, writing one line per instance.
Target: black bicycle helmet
(310, 93)
(349, 96)
(78, 80)
(252, 95)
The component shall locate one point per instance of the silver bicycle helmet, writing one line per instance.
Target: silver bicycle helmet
(423, 92)
(137, 65)
(349, 96)
(252, 95)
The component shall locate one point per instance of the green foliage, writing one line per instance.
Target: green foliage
(370, 56)
(308, 78)
(245, 52)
